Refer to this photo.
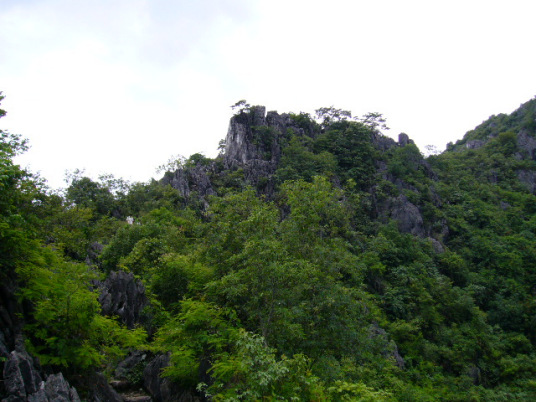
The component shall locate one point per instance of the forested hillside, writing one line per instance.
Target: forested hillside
(314, 259)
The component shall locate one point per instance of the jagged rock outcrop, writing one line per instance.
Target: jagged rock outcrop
(55, 389)
(388, 347)
(21, 378)
(23, 381)
(528, 178)
(407, 216)
(526, 145)
(256, 136)
(252, 144)
(124, 296)
(93, 252)
(240, 144)
(403, 140)
(189, 180)
(474, 144)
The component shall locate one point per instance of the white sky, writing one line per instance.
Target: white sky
(118, 86)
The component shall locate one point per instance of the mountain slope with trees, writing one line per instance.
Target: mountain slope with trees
(313, 259)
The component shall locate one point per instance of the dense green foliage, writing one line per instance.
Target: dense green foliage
(64, 324)
(312, 293)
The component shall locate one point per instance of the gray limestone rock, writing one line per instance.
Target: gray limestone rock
(407, 215)
(388, 346)
(20, 376)
(239, 143)
(436, 245)
(528, 178)
(93, 252)
(23, 382)
(189, 180)
(57, 389)
(526, 145)
(39, 396)
(383, 143)
(178, 180)
(474, 144)
(124, 296)
(403, 140)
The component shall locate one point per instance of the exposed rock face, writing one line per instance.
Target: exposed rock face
(474, 144)
(21, 378)
(240, 146)
(161, 388)
(93, 252)
(528, 178)
(189, 180)
(407, 215)
(403, 140)
(253, 144)
(124, 296)
(57, 389)
(23, 381)
(527, 146)
(389, 347)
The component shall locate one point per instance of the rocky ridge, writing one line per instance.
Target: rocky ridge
(254, 146)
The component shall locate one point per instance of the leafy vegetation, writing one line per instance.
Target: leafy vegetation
(316, 291)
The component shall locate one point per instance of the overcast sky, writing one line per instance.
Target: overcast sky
(119, 86)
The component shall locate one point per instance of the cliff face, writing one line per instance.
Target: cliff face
(253, 145)
(243, 143)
